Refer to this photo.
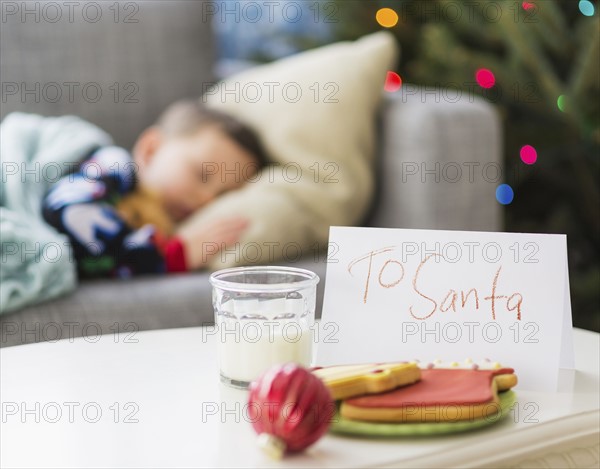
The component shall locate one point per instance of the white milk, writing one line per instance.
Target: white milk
(247, 348)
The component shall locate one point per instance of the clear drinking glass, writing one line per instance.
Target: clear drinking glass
(264, 316)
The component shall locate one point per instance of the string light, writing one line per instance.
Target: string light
(586, 8)
(563, 103)
(485, 78)
(393, 82)
(387, 17)
(504, 194)
(528, 154)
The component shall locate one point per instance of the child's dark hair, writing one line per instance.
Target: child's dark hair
(186, 117)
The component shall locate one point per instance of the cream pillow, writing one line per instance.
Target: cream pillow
(315, 113)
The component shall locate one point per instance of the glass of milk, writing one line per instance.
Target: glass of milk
(264, 316)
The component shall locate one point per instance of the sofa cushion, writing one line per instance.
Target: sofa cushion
(108, 306)
(440, 163)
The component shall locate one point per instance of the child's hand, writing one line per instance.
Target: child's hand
(201, 243)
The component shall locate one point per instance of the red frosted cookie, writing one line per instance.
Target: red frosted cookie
(442, 395)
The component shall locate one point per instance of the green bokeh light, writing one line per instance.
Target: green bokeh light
(563, 103)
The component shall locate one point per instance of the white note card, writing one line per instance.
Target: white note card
(396, 294)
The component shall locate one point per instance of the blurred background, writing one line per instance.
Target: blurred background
(537, 61)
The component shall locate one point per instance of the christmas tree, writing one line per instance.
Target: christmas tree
(539, 62)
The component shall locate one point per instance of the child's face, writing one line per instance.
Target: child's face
(188, 172)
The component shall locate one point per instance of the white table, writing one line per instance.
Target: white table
(158, 397)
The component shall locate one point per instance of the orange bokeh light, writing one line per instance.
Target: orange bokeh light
(387, 17)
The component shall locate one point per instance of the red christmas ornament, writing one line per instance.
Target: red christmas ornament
(290, 409)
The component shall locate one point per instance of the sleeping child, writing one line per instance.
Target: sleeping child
(118, 209)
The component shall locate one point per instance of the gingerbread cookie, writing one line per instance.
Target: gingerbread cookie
(356, 380)
(446, 395)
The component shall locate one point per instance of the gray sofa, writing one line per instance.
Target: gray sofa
(437, 163)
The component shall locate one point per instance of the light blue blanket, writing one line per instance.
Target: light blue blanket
(35, 151)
